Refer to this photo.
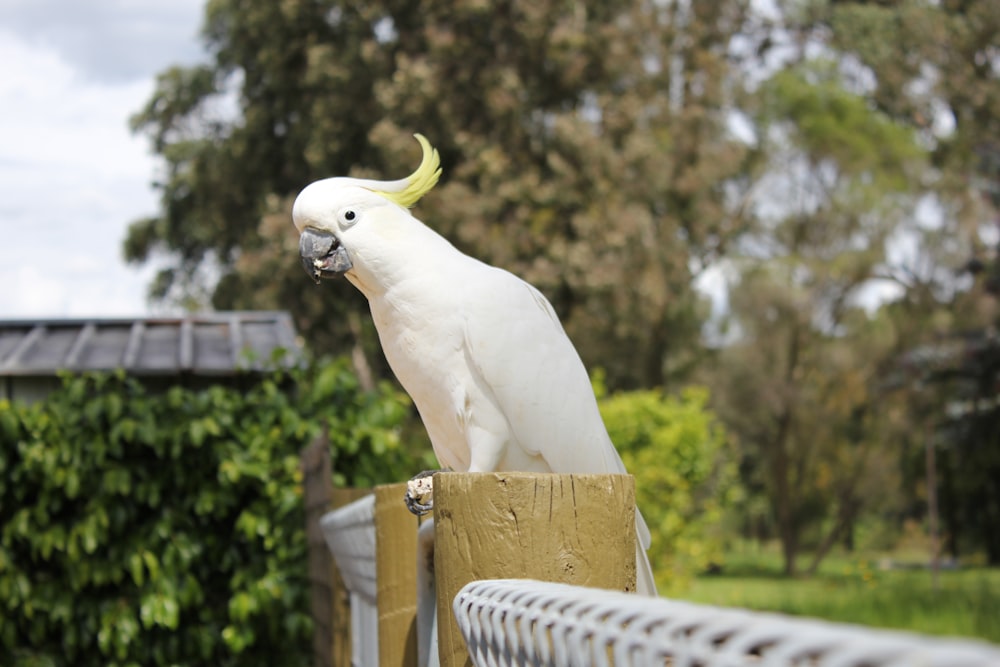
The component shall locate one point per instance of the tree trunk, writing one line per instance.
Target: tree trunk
(784, 509)
(785, 496)
(790, 549)
(845, 517)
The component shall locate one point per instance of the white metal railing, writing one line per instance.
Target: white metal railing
(350, 535)
(524, 622)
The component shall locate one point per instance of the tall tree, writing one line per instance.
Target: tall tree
(936, 67)
(585, 146)
(798, 385)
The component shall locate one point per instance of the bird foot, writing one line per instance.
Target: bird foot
(420, 493)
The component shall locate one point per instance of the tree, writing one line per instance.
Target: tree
(798, 387)
(934, 66)
(585, 147)
(228, 173)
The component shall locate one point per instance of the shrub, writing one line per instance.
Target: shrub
(162, 529)
(685, 474)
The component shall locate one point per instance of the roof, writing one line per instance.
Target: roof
(214, 344)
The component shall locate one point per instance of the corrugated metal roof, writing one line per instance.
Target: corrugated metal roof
(214, 344)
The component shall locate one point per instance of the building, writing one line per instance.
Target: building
(193, 351)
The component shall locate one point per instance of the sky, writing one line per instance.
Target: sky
(72, 175)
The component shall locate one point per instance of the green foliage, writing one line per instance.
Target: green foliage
(685, 475)
(168, 529)
(831, 123)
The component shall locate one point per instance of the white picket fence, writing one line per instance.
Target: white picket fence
(522, 622)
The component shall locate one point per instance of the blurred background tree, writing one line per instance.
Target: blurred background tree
(840, 181)
(829, 167)
(585, 146)
(934, 67)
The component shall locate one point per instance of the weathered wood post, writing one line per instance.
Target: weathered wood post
(395, 577)
(574, 529)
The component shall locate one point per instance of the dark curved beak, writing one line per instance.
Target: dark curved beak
(322, 254)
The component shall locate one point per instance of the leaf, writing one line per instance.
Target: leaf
(152, 565)
(136, 569)
(9, 423)
(197, 432)
(114, 407)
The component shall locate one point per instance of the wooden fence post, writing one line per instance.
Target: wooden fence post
(395, 577)
(574, 529)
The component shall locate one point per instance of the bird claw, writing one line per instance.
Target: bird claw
(419, 496)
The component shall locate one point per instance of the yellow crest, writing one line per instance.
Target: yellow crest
(420, 182)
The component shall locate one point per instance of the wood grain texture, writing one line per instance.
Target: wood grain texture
(574, 529)
(396, 577)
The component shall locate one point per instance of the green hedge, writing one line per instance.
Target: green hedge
(167, 529)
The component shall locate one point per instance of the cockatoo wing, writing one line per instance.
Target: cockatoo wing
(522, 357)
(520, 353)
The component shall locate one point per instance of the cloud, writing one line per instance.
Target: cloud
(73, 176)
(109, 40)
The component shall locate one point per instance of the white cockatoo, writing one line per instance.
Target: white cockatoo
(496, 380)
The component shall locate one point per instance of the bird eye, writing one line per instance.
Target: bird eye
(348, 218)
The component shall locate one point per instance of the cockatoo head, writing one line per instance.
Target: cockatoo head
(341, 217)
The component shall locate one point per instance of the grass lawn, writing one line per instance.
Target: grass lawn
(855, 590)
